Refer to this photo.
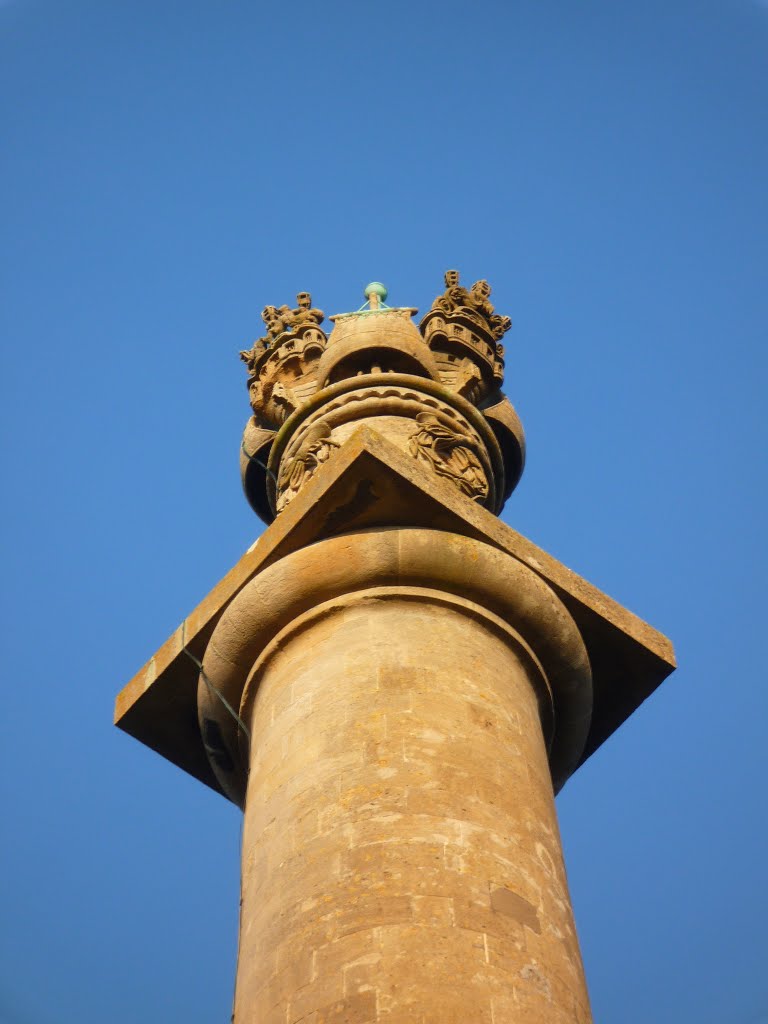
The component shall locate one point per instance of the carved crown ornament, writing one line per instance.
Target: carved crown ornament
(433, 389)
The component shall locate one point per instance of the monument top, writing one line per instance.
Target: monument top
(434, 390)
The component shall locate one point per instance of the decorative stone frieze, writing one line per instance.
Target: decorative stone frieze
(439, 429)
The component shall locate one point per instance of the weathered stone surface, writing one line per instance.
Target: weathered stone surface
(448, 566)
(391, 890)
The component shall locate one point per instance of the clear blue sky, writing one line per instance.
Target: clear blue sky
(170, 167)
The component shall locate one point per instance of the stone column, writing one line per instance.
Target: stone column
(407, 693)
(393, 683)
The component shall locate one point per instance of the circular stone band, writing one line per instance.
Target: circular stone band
(415, 595)
(373, 381)
(431, 559)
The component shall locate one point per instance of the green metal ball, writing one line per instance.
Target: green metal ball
(376, 288)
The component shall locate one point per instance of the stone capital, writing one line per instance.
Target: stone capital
(400, 562)
(367, 484)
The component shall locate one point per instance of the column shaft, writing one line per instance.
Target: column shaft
(401, 855)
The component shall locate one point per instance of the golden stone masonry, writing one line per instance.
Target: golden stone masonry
(393, 684)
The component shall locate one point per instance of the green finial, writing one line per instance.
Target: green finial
(375, 294)
(376, 288)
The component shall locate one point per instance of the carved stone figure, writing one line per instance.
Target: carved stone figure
(476, 301)
(314, 451)
(284, 320)
(252, 355)
(281, 364)
(450, 455)
(275, 319)
(499, 327)
(454, 297)
(479, 295)
(304, 314)
(465, 322)
(284, 399)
